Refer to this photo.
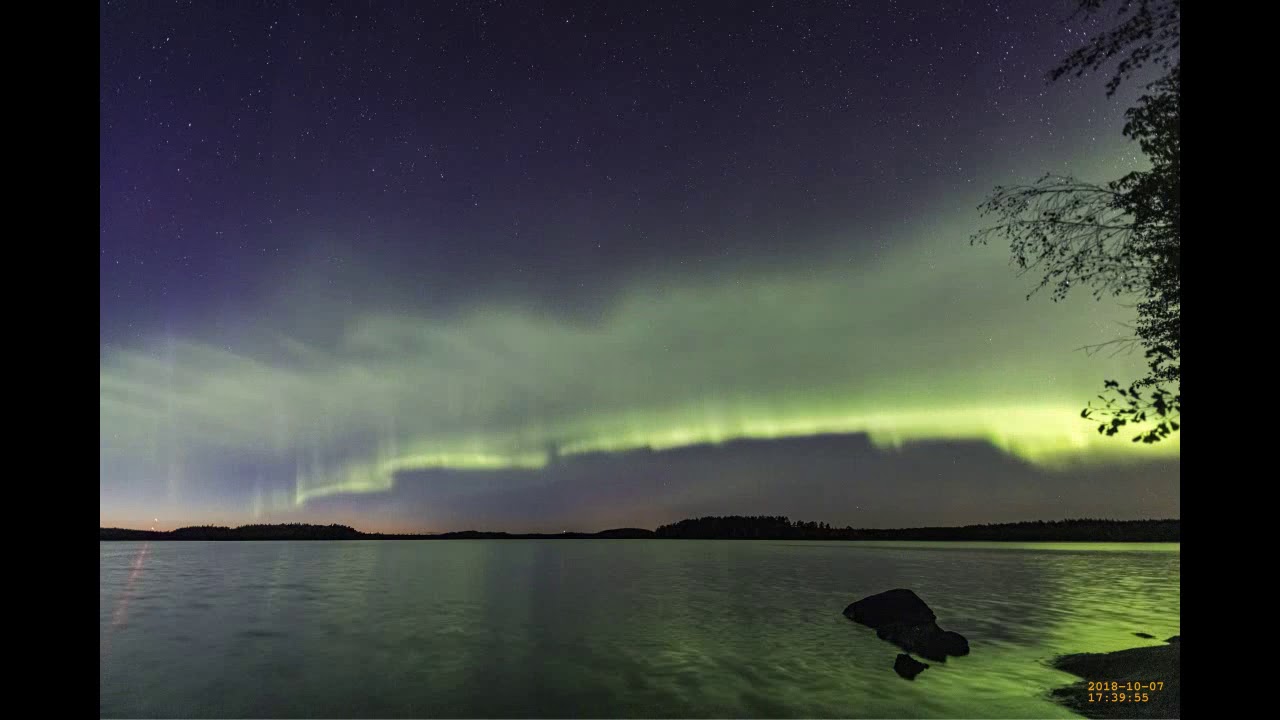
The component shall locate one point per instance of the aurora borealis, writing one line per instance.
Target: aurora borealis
(544, 267)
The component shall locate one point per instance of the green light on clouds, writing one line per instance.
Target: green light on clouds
(932, 340)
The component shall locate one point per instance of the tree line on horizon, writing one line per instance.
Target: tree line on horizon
(770, 527)
(711, 527)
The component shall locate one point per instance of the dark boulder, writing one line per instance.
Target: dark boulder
(902, 618)
(908, 667)
(952, 643)
(927, 640)
(1147, 636)
(892, 607)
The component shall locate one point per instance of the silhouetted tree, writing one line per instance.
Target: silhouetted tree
(1148, 31)
(1123, 238)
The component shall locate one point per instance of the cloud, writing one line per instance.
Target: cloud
(931, 340)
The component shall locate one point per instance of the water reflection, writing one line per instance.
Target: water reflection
(605, 628)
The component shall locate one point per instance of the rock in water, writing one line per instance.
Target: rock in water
(928, 641)
(892, 607)
(908, 667)
(899, 616)
(951, 642)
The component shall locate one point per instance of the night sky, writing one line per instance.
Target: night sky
(566, 265)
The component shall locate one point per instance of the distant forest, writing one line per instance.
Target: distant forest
(732, 527)
(765, 527)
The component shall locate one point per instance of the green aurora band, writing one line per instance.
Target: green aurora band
(929, 339)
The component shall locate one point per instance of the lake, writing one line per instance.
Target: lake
(605, 628)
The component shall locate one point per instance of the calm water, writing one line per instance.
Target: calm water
(621, 628)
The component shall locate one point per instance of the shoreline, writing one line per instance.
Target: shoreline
(711, 528)
(1098, 541)
(1130, 671)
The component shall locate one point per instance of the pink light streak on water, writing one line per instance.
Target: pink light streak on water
(122, 605)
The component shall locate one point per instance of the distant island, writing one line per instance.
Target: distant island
(733, 527)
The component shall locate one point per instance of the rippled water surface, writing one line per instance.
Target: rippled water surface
(604, 628)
